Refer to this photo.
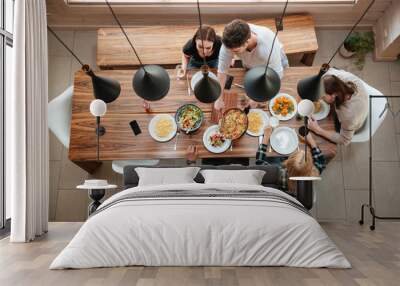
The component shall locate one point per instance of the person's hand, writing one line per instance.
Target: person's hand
(310, 140)
(219, 104)
(233, 62)
(267, 134)
(313, 125)
(181, 72)
(191, 153)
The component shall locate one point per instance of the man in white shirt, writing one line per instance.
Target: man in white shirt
(252, 44)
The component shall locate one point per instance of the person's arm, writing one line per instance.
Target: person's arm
(224, 60)
(318, 157)
(191, 154)
(261, 155)
(185, 62)
(344, 137)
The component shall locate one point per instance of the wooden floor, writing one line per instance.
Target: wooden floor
(375, 257)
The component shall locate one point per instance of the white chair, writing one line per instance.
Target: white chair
(59, 115)
(118, 165)
(379, 111)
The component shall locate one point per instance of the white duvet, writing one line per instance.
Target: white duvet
(206, 231)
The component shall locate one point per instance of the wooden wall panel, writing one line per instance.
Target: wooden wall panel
(62, 16)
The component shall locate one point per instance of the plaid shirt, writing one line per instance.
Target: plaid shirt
(318, 159)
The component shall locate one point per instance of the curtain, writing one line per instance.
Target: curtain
(27, 136)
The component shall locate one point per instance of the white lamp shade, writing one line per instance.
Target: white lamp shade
(98, 107)
(305, 107)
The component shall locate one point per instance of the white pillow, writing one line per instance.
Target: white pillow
(166, 176)
(248, 177)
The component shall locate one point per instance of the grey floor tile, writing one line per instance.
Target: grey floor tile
(55, 47)
(386, 182)
(354, 201)
(72, 205)
(398, 143)
(384, 141)
(395, 70)
(71, 174)
(395, 104)
(59, 75)
(329, 40)
(56, 148)
(355, 165)
(54, 176)
(86, 43)
(376, 74)
(330, 194)
(338, 156)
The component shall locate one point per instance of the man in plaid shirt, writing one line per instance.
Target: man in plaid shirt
(262, 157)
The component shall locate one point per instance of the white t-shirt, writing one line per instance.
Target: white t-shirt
(258, 56)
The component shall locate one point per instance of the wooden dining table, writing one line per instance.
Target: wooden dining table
(119, 142)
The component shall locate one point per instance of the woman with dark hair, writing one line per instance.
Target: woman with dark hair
(194, 52)
(349, 96)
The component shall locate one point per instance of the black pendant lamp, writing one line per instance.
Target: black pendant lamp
(311, 87)
(262, 82)
(207, 89)
(150, 82)
(104, 88)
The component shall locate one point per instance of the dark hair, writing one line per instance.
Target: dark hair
(205, 32)
(334, 85)
(236, 33)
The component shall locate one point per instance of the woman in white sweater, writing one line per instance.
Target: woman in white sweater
(348, 94)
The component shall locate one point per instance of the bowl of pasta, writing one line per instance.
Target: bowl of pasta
(258, 120)
(189, 118)
(162, 127)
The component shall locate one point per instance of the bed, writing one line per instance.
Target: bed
(201, 224)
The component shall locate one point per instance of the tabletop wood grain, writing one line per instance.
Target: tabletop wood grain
(119, 141)
(163, 44)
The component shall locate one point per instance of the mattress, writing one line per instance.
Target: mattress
(201, 225)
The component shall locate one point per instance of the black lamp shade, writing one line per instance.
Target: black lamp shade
(311, 87)
(151, 82)
(207, 89)
(104, 88)
(261, 86)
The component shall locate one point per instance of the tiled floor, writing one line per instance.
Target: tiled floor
(345, 182)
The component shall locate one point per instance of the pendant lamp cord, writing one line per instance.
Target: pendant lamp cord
(65, 46)
(352, 29)
(126, 36)
(201, 34)
(276, 33)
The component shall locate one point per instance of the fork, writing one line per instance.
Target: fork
(176, 139)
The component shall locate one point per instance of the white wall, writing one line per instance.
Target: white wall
(387, 32)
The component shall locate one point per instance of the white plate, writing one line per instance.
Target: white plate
(265, 119)
(197, 76)
(207, 143)
(153, 122)
(284, 140)
(290, 115)
(324, 112)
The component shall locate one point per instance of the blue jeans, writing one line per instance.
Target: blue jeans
(193, 64)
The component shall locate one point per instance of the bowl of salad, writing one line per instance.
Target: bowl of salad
(189, 118)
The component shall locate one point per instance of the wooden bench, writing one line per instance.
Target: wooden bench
(163, 44)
